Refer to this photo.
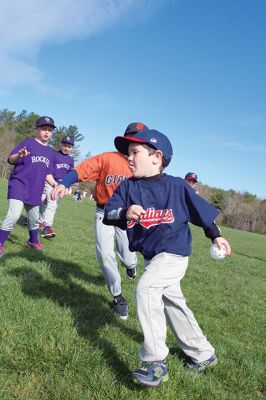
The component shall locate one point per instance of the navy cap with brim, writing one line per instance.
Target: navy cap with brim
(68, 140)
(152, 138)
(191, 176)
(45, 121)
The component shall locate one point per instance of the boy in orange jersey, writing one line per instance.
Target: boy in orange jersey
(108, 170)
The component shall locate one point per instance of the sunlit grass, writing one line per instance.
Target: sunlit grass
(60, 340)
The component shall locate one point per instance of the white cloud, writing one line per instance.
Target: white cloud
(14, 71)
(27, 25)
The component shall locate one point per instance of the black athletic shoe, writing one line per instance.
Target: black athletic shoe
(48, 233)
(121, 307)
(25, 221)
(131, 272)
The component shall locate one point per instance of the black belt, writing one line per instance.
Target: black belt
(100, 205)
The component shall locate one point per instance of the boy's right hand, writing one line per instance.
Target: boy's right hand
(23, 152)
(134, 212)
(58, 191)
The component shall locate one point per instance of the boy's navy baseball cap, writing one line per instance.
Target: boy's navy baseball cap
(134, 127)
(68, 139)
(191, 176)
(152, 138)
(45, 121)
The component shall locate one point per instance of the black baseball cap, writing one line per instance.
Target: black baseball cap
(134, 127)
(68, 139)
(45, 121)
(152, 138)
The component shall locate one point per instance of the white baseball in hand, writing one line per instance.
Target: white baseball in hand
(216, 253)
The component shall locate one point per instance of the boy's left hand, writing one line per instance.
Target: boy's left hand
(220, 241)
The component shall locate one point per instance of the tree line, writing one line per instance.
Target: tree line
(237, 210)
(242, 211)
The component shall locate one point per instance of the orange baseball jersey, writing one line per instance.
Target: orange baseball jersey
(108, 170)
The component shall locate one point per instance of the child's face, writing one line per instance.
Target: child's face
(192, 183)
(143, 162)
(44, 133)
(65, 148)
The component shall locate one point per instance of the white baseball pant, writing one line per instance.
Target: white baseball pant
(160, 298)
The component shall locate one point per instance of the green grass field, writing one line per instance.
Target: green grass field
(60, 340)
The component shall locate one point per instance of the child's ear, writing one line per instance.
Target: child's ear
(158, 157)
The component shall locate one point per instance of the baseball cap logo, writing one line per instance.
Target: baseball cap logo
(139, 126)
(153, 140)
(47, 119)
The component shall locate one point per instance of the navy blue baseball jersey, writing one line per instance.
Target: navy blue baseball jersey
(170, 204)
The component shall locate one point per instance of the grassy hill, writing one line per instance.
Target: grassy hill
(60, 340)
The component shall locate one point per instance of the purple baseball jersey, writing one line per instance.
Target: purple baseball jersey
(61, 165)
(26, 181)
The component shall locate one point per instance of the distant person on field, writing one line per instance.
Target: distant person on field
(84, 193)
(108, 170)
(192, 180)
(91, 195)
(75, 194)
(155, 210)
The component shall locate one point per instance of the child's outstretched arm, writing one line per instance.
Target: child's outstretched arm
(60, 190)
(20, 154)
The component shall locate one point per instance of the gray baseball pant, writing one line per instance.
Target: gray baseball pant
(160, 299)
(110, 241)
(14, 212)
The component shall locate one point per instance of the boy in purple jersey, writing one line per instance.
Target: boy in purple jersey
(32, 160)
(155, 209)
(62, 164)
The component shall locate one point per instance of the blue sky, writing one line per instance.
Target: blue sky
(192, 69)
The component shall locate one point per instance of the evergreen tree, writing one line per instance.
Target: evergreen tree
(7, 119)
(25, 125)
(62, 131)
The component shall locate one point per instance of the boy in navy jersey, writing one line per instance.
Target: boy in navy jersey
(155, 209)
(192, 180)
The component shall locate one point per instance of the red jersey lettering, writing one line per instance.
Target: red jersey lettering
(153, 217)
